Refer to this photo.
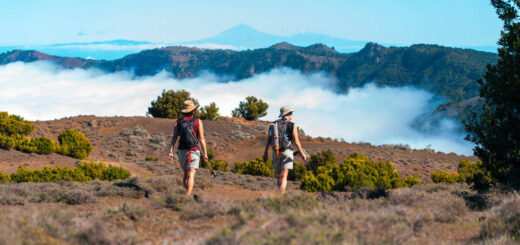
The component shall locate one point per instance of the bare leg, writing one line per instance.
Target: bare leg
(185, 179)
(191, 180)
(283, 182)
(278, 178)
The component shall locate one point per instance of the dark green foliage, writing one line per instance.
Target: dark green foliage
(14, 125)
(209, 112)
(250, 109)
(255, 167)
(7, 142)
(39, 145)
(219, 165)
(356, 171)
(74, 144)
(151, 159)
(496, 131)
(4, 177)
(113, 173)
(445, 177)
(86, 171)
(170, 103)
(324, 158)
(297, 172)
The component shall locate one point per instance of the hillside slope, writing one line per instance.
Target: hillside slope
(126, 141)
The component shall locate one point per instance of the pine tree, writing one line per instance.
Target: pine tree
(496, 130)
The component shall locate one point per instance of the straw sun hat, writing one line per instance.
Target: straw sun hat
(189, 106)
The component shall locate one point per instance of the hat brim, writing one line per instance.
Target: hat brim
(285, 114)
(189, 109)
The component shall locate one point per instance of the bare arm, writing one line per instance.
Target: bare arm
(267, 144)
(174, 140)
(297, 142)
(203, 140)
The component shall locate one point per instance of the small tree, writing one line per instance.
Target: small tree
(251, 109)
(169, 104)
(209, 112)
(496, 130)
(74, 144)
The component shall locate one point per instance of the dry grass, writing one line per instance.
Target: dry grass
(156, 210)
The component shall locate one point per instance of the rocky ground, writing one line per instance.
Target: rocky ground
(151, 207)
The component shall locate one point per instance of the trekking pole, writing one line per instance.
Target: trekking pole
(213, 172)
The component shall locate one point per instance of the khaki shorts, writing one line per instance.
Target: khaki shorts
(284, 162)
(183, 159)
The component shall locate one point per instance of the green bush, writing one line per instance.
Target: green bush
(14, 125)
(169, 104)
(411, 180)
(74, 144)
(356, 171)
(151, 159)
(250, 109)
(324, 158)
(298, 171)
(254, 167)
(7, 142)
(113, 173)
(41, 145)
(209, 112)
(445, 177)
(86, 171)
(219, 165)
(3, 177)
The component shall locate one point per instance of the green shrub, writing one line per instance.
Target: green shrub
(151, 159)
(113, 173)
(298, 171)
(3, 177)
(356, 171)
(209, 112)
(86, 171)
(250, 109)
(74, 144)
(7, 142)
(254, 167)
(445, 177)
(39, 145)
(324, 158)
(211, 153)
(14, 125)
(169, 104)
(219, 165)
(92, 170)
(411, 181)
(474, 174)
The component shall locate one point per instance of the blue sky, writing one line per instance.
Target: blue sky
(445, 22)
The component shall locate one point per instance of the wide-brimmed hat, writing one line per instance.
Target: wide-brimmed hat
(189, 106)
(285, 110)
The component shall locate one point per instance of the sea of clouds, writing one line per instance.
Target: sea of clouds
(379, 115)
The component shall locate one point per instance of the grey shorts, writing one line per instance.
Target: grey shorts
(284, 162)
(183, 159)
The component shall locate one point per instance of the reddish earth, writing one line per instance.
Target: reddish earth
(126, 141)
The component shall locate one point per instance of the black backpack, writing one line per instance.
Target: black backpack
(187, 136)
(285, 134)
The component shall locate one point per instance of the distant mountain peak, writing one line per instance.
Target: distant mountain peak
(321, 47)
(240, 29)
(284, 45)
(372, 49)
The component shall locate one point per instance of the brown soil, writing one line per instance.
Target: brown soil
(126, 141)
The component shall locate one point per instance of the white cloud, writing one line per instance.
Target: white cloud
(378, 115)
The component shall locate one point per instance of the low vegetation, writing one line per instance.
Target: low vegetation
(14, 131)
(355, 172)
(209, 112)
(86, 171)
(255, 167)
(470, 172)
(74, 144)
